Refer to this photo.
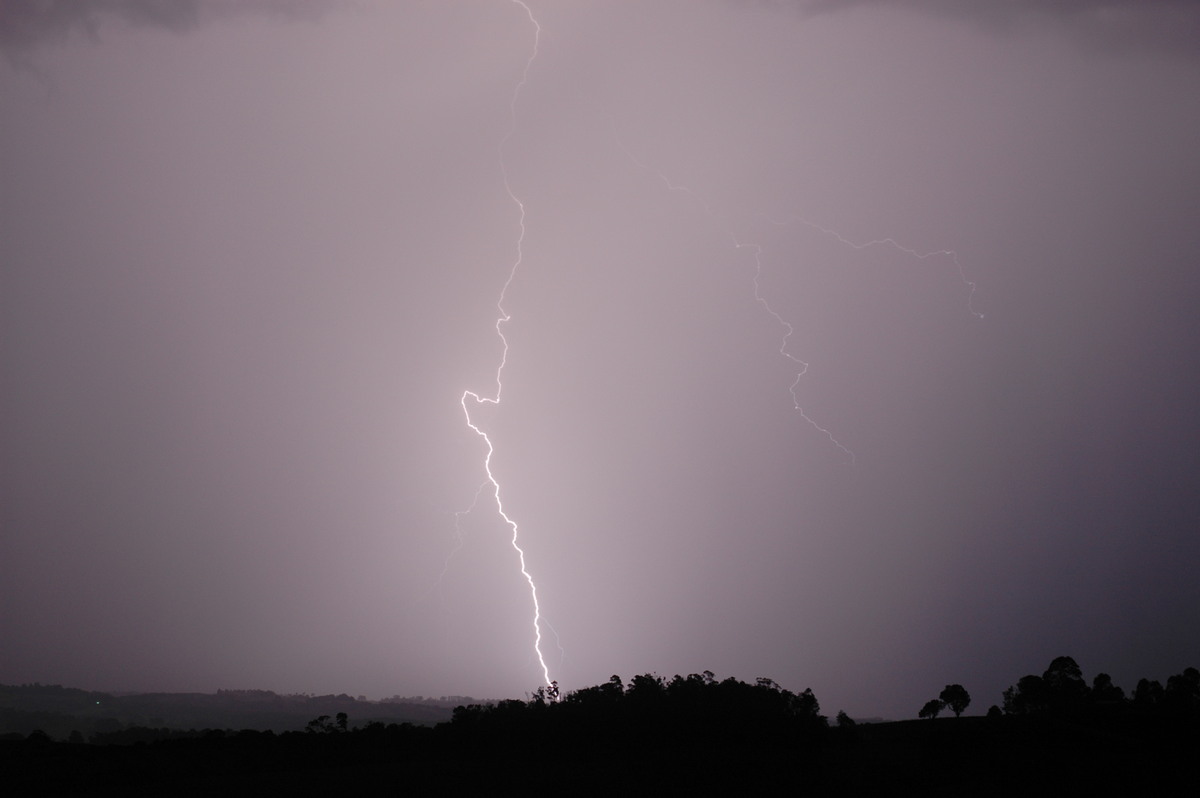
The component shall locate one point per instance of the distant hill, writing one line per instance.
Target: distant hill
(58, 710)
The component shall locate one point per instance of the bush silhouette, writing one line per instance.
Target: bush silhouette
(931, 709)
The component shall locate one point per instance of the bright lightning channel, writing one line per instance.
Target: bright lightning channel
(501, 320)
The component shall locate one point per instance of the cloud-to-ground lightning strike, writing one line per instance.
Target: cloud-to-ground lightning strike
(504, 317)
(501, 320)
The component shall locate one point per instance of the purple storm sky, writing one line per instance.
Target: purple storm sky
(250, 255)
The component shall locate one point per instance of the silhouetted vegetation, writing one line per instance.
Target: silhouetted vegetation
(1062, 691)
(933, 708)
(323, 725)
(649, 714)
(689, 733)
(956, 697)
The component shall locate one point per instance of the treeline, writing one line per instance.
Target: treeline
(648, 711)
(652, 734)
(1062, 689)
(610, 737)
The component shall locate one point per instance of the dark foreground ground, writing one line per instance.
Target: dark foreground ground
(977, 756)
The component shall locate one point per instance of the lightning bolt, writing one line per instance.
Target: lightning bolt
(893, 244)
(783, 345)
(502, 319)
(458, 536)
(788, 328)
(471, 398)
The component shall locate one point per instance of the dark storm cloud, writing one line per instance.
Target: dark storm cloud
(26, 24)
(1108, 25)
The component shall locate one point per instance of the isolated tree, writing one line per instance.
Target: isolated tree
(931, 709)
(844, 721)
(956, 697)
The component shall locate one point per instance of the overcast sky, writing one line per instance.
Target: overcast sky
(250, 256)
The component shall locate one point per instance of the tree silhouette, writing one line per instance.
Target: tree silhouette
(1148, 693)
(1060, 688)
(1065, 686)
(646, 688)
(1183, 690)
(1104, 691)
(931, 709)
(1028, 695)
(323, 725)
(956, 697)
